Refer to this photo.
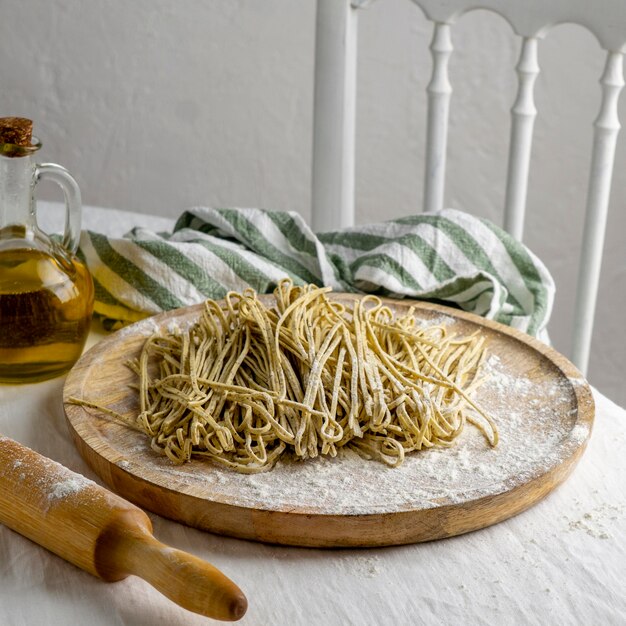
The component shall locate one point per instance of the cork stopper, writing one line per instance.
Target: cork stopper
(16, 137)
(17, 131)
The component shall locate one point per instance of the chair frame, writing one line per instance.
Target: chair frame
(335, 113)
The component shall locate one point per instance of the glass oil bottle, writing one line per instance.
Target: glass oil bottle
(46, 292)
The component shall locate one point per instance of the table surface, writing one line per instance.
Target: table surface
(561, 562)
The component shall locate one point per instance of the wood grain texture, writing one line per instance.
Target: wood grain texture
(191, 493)
(103, 534)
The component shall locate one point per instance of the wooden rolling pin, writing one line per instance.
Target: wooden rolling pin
(104, 534)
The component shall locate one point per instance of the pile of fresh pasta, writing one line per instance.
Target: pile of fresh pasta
(306, 376)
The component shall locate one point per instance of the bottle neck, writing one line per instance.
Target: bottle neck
(17, 205)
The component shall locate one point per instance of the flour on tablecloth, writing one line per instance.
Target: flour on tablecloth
(594, 521)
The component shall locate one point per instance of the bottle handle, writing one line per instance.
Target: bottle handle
(60, 176)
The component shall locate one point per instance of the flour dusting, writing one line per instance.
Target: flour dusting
(594, 522)
(148, 327)
(43, 480)
(535, 410)
(537, 419)
(68, 487)
(143, 328)
(440, 320)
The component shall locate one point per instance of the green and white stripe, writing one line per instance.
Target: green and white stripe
(449, 255)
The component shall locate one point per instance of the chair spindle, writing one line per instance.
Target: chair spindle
(606, 129)
(439, 91)
(332, 202)
(523, 116)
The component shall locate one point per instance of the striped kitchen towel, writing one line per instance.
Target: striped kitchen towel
(446, 256)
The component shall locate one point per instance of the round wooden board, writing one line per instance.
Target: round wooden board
(542, 405)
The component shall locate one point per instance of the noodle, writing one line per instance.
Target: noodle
(247, 383)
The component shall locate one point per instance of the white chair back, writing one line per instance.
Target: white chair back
(335, 104)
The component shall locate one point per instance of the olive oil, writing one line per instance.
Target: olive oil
(46, 293)
(46, 304)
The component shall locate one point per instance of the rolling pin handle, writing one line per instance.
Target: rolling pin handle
(189, 581)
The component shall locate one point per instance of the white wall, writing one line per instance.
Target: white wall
(156, 105)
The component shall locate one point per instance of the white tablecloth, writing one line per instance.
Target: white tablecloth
(562, 562)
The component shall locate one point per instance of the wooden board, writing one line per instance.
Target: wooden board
(542, 405)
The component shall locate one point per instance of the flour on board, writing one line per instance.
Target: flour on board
(532, 440)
